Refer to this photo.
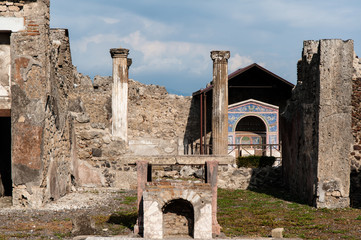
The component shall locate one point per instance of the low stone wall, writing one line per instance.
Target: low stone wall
(229, 175)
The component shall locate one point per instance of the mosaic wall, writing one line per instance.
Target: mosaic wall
(266, 112)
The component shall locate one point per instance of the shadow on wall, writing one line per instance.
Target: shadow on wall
(192, 131)
(269, 180)
(355, 186)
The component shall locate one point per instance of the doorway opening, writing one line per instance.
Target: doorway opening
(5, 155)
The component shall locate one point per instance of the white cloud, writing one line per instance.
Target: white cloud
(83, 43)
(168, 56)
(237, 61)
(149, 56)
(307, 14)
(110, 20)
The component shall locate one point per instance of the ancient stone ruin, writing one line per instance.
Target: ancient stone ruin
(63, 131)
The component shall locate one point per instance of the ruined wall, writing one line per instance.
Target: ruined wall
(58, 136)
(159, 123)
(41, 80)
(30, 79)
(318, 125)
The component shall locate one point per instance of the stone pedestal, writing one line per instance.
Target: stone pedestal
(120, 92)
(220, 102)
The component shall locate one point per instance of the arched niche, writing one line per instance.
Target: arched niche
(252, 122)
(251, 130)
(178, 218)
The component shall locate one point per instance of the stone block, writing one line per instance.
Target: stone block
(277, 233)
(96, 152)
(14, 8)
(83, 225)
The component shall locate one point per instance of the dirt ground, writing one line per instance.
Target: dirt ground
(85, 212)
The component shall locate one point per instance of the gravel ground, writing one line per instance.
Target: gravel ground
(85, 212)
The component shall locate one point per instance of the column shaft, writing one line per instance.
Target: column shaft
(120, 93)
(220, 102)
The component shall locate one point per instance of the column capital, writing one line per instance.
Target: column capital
(119, 52)
(220, 56)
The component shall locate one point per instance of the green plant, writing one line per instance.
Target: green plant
(129, 200)
(127, 219)
(253, 161)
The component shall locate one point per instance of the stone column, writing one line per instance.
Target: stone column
(220, 102)
(120, 92)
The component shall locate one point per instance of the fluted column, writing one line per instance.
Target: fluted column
(220, 102)
(120, 92)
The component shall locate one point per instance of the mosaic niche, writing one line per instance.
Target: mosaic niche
(253, 122)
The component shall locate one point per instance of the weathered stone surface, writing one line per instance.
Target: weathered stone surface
(89, 177)
(27, 145)
(317, 117)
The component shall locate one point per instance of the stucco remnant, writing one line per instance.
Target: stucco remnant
(120, 92)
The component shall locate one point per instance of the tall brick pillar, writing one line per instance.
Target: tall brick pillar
(220, 102)
(212, 179)
(120, 92)
(142, 177)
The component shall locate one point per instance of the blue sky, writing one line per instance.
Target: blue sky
(170, 41)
